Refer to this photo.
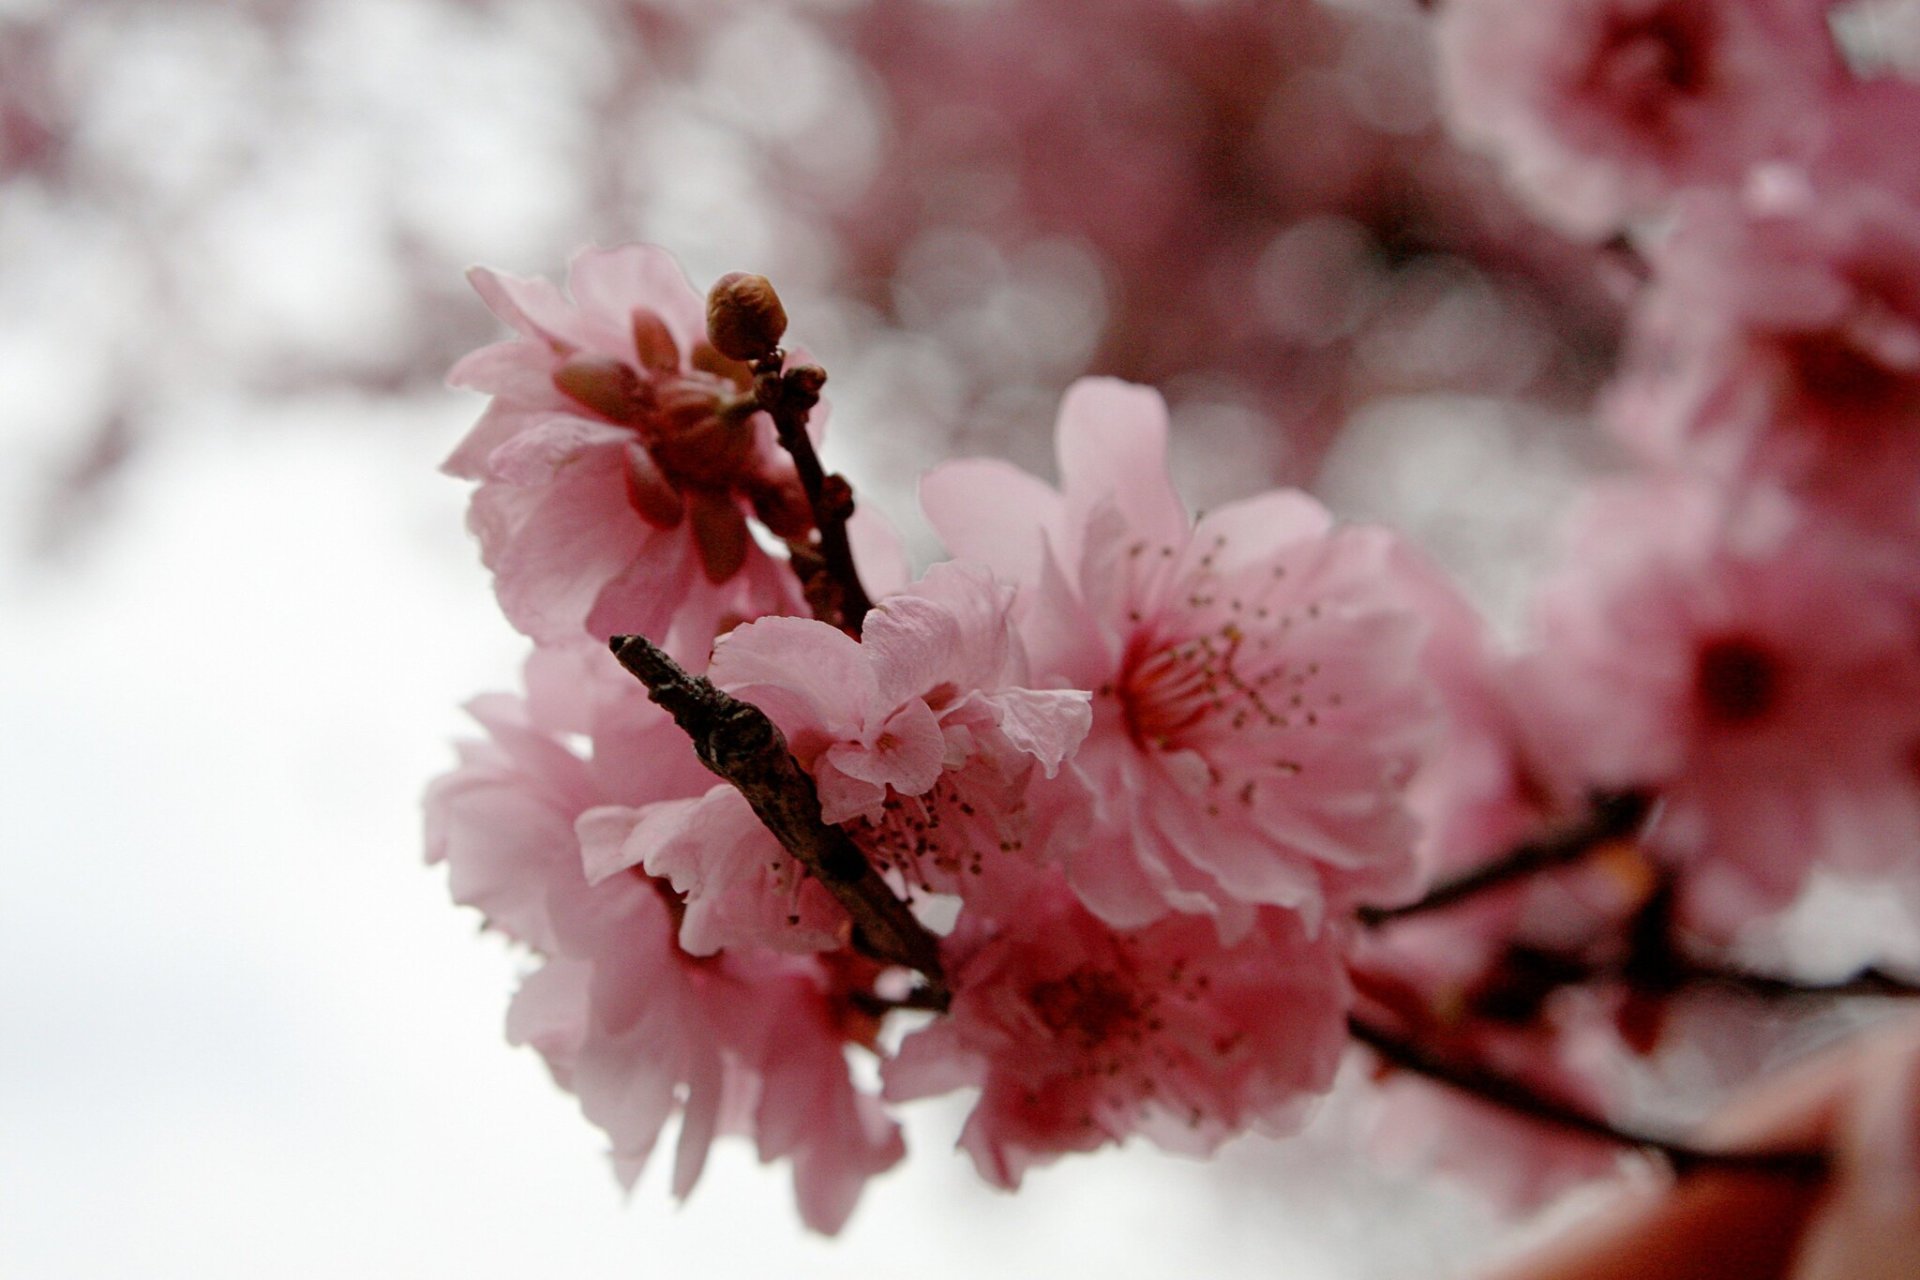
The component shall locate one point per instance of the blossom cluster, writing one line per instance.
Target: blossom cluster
(1145, 767)
(1732, 635)
(1181, 804)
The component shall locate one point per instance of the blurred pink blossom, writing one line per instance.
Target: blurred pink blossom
(1766, 684)
(1602, 110)
(1779, 347)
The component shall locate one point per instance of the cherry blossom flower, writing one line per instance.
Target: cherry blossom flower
(918, 740)
(746, 1042)
(620, 458)
(1600, 110)
(1766, 682)
(1780, 346)
(1259, 703)
(921, 736)
(739, 887)
(1078, 1035)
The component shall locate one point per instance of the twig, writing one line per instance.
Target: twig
(788, 397)
(1611, 816)
(1867, 982)
(737, 741)
(1489, 1086)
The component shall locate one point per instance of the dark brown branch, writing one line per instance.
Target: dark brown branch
(788, 396)
(737, 741)
(1611, 816)
(1478, 1081)
(1867, 982)
(928, 999)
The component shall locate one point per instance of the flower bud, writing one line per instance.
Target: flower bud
(744, 317)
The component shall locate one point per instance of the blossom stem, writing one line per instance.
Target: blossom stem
(1489, 1086)
(1870, 981)
(1676, 972)
(788, 396)
(737, 741)
(1611, 816)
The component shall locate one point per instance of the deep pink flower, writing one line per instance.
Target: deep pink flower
(746, 1042)
(619, 460)
(1601, 109)
(1078, 1035)
(1780, 346)
(1259, 703)
(1766, 683)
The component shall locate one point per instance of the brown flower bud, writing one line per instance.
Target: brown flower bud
(745, 320)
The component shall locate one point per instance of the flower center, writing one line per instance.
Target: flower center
(1736, 680)
(1089, 1007)
(1170, 695)
(1644, 65)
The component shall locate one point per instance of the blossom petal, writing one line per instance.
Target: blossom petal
(1112, 443)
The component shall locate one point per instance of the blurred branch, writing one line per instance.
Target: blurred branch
(1486, 1085)
(1610, 816)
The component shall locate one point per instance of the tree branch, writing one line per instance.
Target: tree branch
(1478, 1081)
(1611, 816)
(788, 396)
(737, 741)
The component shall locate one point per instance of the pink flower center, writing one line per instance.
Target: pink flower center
(1736, 681)
(1089, 1007)
(1861, 372)
(1644, 65)
(1172, 695)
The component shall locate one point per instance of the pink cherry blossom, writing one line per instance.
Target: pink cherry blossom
(1078, 1035)
(1780, 346)
(1600, 110)
(746, 1042)
(921, 735)
(619, 460)
(739, 886)
(1765, 682)
(1259, 703)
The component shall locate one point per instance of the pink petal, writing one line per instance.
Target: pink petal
(991, 511)
(813, 679)
(534, 307)
(536, 455)
(612, 282)
(907, 754)
(1048, 725)
(1112, 443)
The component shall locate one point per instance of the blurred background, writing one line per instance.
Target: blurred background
(245, 1032)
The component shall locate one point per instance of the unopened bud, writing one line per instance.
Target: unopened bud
(745, 320)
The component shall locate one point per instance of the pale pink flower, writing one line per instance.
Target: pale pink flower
(921, 735)
(1078, 1035)
(1766, 684)
(1600, 110)
(739, 886)
(1780, 346)
(1259, 703)
(620, 458)
(746, 1042)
